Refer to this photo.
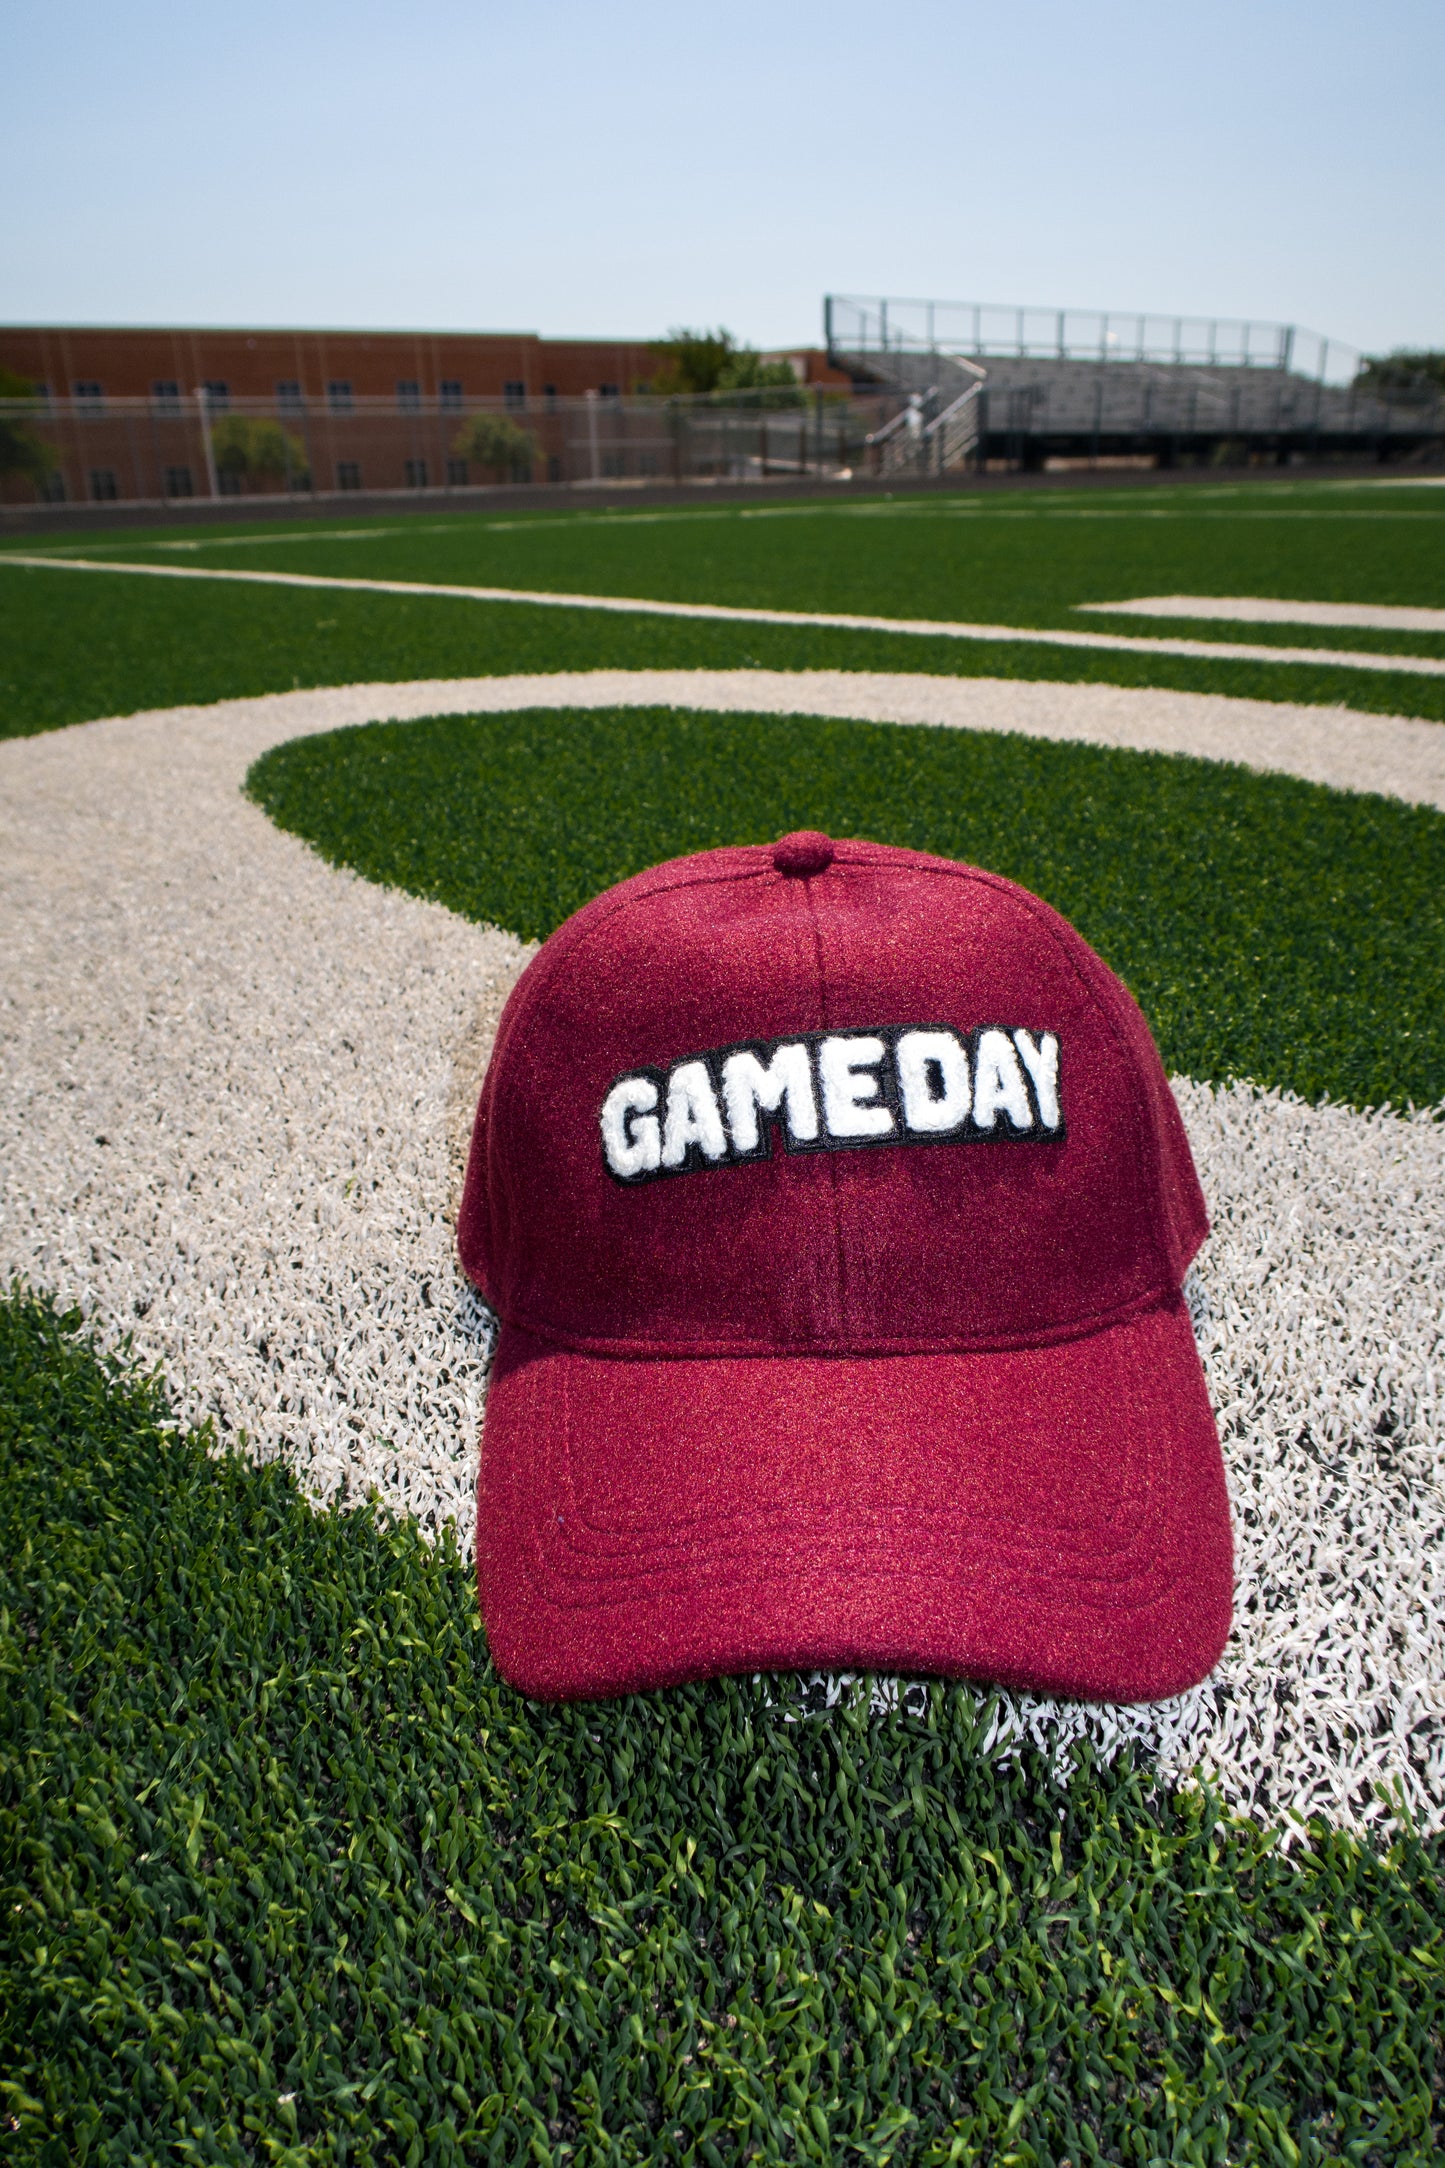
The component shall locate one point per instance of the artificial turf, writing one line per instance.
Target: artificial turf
(1009, 559)
(1268, 927)
(77, 644)
(272, 1826)
(291, 1875)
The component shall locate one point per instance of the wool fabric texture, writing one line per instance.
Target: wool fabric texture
(926, 1406)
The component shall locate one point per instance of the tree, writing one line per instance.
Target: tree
(260, 448)
(711, 363)
(21, 450)
(1412, 376)
(490, 440)
(692, 362)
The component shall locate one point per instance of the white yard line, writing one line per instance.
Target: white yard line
(635, 606)
(235, 1084)
(1396, 756)
(1266, 610)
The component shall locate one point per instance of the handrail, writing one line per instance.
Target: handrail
(941, 421)
(906, 413)
(855, 323)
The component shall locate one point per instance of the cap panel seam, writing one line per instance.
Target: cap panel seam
(840, 1258)
(569, 937)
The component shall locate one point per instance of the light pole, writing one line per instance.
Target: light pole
(591, 397)
(203, 408)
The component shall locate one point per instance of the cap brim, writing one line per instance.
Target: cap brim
(1053, 1519)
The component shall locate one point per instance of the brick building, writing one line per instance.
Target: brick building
(80, 361)
(376, 410)
(139, 413)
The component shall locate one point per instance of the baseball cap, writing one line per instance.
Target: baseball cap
(835, 1207)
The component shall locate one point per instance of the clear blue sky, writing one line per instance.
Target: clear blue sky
(621, 168)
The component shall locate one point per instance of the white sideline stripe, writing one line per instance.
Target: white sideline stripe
(1265, 610)
(839, 621)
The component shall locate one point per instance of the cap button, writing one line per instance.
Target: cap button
(803, 853)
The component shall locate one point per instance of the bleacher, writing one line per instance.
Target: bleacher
(1061, 384)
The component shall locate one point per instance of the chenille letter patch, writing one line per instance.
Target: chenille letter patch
(833, 1092)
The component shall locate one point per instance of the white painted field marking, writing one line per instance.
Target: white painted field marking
(726, 613)
(1265, 610)
(1394, 756)
(232, 1077)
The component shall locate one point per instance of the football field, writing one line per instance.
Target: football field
(292, 1874)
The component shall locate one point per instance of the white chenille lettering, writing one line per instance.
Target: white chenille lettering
(848, 1071)
(692, 1115)
(932, 1082)
(749, 1087)
(631, 1138)
(999, 1082)
(1042, 1063)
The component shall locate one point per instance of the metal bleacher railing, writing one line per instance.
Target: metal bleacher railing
(984, 331)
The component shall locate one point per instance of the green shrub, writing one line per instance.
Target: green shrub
(260, 448)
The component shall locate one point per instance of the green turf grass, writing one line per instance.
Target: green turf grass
(290, 1875)
(1005, 559)
(1269, 928)
(76, 645)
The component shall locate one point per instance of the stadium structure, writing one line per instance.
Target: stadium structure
(1032, 387)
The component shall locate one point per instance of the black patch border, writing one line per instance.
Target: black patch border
(695, 1161)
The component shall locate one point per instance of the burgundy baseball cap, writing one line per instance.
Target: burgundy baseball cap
(835, 1206)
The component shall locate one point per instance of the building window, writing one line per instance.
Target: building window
(52, 487)
(647, 462)
(408, 395)
(348, 474)
(456, 474)
(288, 392)
(610, 391)
(451, 392)
(338, 395)
(549, 393)
(514, 393)
(166, 396)
(218, 394)
(178, 482)
(614, 465)
(554, 467)
(89, 398)
(102, 485)
(416, 474)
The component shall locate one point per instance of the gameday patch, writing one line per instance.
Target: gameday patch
(833, 1092)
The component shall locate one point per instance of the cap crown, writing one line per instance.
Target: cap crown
(770, 1242)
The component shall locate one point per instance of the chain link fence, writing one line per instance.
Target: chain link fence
(98, 450)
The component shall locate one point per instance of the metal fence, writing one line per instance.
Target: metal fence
(194, 445)
(861, 324)
(1020, 412)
